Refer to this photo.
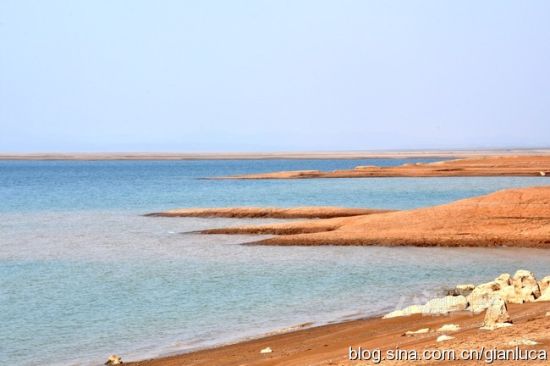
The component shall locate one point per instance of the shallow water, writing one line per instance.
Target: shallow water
(84, 275)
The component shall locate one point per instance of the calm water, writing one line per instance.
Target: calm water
(83, 274)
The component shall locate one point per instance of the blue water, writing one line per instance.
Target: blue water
(84, 275)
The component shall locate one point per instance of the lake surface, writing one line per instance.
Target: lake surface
(83, 274)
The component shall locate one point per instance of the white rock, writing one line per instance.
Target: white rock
(409, 310)
(496, 313)
(481, 296)
(544, 283)
(511, 294)
(449, 328)
(419, 331)
(527, 284)
(542, 174)
(504, 280)
(114, 360)
(445, 305)
(545, 296)
(266, 350)
(443, 338)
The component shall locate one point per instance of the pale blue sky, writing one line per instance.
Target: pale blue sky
(273, 75)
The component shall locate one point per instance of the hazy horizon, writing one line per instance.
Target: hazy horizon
(294, 76)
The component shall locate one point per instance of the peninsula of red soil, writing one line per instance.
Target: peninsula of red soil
(316, 212)
(513, 217)
(488, 166)
(329, 344)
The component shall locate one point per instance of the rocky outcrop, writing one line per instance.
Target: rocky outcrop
(491, 296)
(520, 288)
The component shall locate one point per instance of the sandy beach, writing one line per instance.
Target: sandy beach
(329, 344)
(471, 166)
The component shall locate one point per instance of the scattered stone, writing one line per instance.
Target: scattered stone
(522, 342)
(415, 332)
(443, 338)
(497, 313)
(449, 328)
(266, 350)
(114, 360)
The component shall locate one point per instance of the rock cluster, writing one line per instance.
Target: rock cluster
(491, 296)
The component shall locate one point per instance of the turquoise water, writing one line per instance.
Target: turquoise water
(84, 275)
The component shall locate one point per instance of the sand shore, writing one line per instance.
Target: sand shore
(316, 212)
(329, 344)
(485, 166)
(513, 217)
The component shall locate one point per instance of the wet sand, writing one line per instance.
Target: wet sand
(486, 166)
(512, 217)
(328, 345)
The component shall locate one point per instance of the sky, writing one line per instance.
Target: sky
(237, 76)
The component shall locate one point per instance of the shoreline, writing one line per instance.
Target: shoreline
(464, 166)
(328, 343)
(336, 155)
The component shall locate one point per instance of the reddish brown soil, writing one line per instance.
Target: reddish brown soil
(514, 217)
